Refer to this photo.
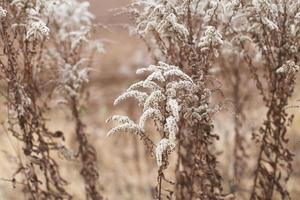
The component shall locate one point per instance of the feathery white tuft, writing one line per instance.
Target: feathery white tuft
(140, 96)
(163, 146)
(173, 107)
(120, 119)
(3, 12)
(288, 68)
(153, 113)
(177, 72)
(154, 99)
(172, 128)
(125, 128)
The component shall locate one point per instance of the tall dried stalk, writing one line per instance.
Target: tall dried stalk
(273, 36)
(73, 59)
(185, 34)
(21, 47)
(165, 90)
(31, 53)
(88, 157)
(234, 75)
(239, 151)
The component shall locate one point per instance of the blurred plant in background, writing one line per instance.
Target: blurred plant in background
(273, 36)
(32, 32)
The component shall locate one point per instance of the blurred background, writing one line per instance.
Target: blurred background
(127, 172)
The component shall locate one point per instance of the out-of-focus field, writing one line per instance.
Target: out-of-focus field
(126, 170)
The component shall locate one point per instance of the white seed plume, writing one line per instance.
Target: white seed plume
(171, 21)
(270, 24)
(288, 68)
(20, 4)
(3, 13)
(152, 85)
(178, 73)
(156, 76)
(173, 107)
(160, 103)
(152, 113)
(120, 119)
(37, 30)
(181, 85)
(136, 86)
(72, 77)
(211, 38)
(74, 13)
(151, 68)
(163, 145)
(144, 84)
(140, 96)
(172, 128)
(125, 128)
(154, 99)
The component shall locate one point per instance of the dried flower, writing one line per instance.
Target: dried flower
(36, 30)
(140, 96)
(3, 13)
(171, 21)
(154, 99)
(211, 37)
(161, 104)
(162, 147)
(125, 128)
(72, 78)
(288, 68)
(153, 113)
(173, 107)
(172, 128)
(120, 119)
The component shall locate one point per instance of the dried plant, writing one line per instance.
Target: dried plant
(162, 96)
(271, 39)
(72, 57)
(185, 34)
(40, 38)
(23, 35)
(234, 75)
